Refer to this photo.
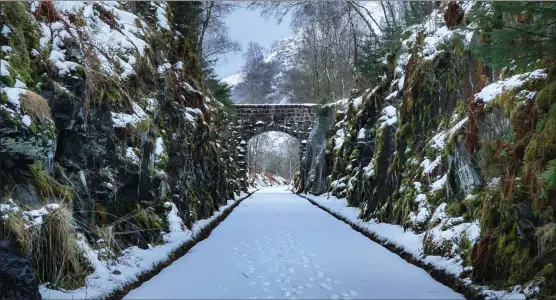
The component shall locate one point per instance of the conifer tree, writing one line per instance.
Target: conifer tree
(515, 31)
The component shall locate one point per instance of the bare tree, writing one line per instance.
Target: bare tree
(213, 39)
(326, 54)
(257, 75)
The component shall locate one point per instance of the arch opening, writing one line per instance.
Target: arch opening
(272, 157)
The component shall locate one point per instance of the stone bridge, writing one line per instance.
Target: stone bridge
(295, 120)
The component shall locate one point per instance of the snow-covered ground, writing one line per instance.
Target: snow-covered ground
(278, 245)
(412, 243)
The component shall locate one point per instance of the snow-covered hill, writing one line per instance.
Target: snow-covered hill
(282, 54)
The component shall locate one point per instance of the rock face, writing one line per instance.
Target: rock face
(438, 149)
(16, 276)
(102, 111)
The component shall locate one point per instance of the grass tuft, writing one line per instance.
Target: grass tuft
(36, 106)
(56, 256)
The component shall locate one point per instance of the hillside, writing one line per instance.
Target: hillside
(108, 147)
(453, 158)
(281, 56)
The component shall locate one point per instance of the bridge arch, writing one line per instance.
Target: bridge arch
(252, 119)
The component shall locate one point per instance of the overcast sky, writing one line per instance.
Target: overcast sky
(246, 26)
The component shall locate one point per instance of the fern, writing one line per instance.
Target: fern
(549, 176)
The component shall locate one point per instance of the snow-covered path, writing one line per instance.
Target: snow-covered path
(278, 245)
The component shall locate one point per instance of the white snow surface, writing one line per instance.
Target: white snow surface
(437, 185)
(491, 91)
(412, 242)
(276, 244)
(4, 68)
(439, 140)
(129, 153)
(123, 119)
(234, 79)
(428, 166)
(388, 116)
(26, 120)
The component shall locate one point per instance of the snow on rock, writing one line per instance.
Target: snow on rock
(428, 166)
(4, 64)
(164, 67)
(423, 210)
(388, 116)
(369, 170)
(439, 184)
(432, 42)
(113, 45)
(389, 111)
(123, 119)
(5, 31)
(175, 223)
(338, 184)
(35, 217)
(357, 102)
(159, 146)
(20, 84)
(339, 138)
(161, 19)
(129, 153)
(439, 140)
(493, 90)
(26, 120)
(14, 94)
(391, 96)
(8, 208)
(361, 134)
(191, 114)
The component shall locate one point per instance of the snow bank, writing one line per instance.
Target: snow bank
(111, 276)
(412, 242)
